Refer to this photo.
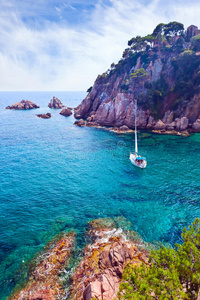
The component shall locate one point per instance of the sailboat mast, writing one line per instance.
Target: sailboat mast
(136, 146)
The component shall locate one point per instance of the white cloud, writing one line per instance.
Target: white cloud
(61, 57)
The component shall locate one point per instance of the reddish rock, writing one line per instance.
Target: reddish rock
(111, 100)
(24, 104)
(44, 116)
(151, 123)
(124, 128)
(196, 126)
(160, 125)
(91, 124)
(99, 273)
(89, 119)
(171, 126)
(44, 282)
(55, 103)
(80, 123)
(66, 112)
(198, 296)
(181, 123)
(168, 117)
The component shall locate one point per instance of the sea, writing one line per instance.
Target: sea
(55, 176)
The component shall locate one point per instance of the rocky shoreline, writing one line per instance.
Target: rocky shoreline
(167, 125)
(124, 129)
(44, 282)
(99, 272)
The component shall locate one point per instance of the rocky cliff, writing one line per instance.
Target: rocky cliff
(165, 81)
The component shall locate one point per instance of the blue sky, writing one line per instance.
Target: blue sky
(64, 45)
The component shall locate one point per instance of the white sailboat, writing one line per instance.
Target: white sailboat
(135, 158)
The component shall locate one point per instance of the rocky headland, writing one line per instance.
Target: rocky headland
(99, 273)
(55, 103)
(24, 104)
(163, 76)
(115, 264)
(66, 112)
(44, 116)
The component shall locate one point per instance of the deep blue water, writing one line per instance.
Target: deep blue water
(55, 176)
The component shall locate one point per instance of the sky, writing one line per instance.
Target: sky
(58, 45)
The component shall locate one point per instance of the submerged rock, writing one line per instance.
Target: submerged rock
(24, 104)
(44, 116)
(99, 273)
(66, 112)
(55, 103)
(44, 282)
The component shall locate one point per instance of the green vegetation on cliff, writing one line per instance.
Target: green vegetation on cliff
(175, 52)
(171, 273)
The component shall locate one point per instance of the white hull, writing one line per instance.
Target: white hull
(133, 160)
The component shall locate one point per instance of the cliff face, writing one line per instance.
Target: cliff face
(155, 80)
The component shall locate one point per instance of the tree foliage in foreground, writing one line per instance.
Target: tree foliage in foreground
(171, 273)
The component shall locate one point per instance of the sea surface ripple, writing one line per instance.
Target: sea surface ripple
(55, 176)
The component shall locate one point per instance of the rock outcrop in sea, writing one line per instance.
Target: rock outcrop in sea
(162, 76)
(99, 273)
(24, 104)
(66, 112)
(45, 281)
(79, 123)
(44, 116)
(55, 103)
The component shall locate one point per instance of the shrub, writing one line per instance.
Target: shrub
(138, 73)
(171, 273)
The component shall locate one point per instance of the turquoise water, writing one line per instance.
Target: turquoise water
(55, 176)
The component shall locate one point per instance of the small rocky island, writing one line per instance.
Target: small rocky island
(66, 112)
(44, 116)
(24, 104)
(55, 103)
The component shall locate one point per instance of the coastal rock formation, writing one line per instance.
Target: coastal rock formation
(44, 282)
(55, 103)
(44, 116)
(196, 125)
(24, 104)
(99, 273)
(181, 123)
(160, 125)
(66, 112)
(80, 123)
(154, 76)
